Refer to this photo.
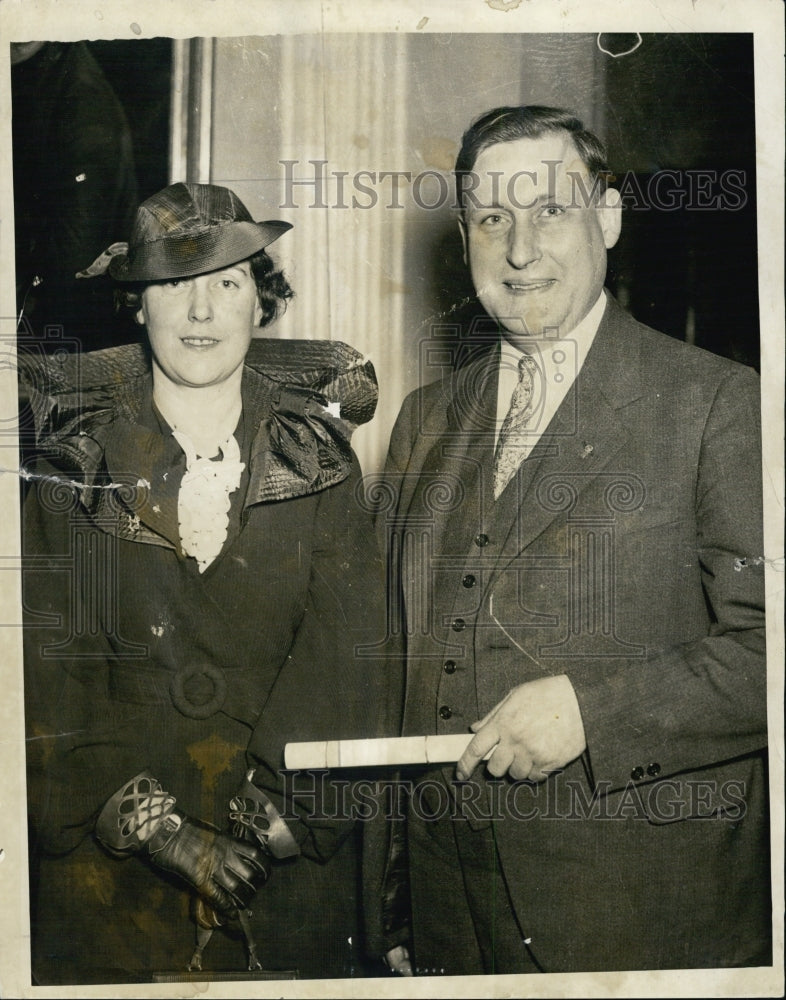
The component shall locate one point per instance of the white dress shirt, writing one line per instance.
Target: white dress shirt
(560, 360)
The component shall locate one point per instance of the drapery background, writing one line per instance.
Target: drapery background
(352, 138)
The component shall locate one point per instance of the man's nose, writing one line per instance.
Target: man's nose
(200, 308)
(523, 247)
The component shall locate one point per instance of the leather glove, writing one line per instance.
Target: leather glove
(141, 818)
(255, 818)
(224, 871)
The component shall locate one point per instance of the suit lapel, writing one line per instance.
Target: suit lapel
(468, 457)
(464, 408)
(586, 432)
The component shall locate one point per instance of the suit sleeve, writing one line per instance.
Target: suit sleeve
(701, 703)
(386, 909)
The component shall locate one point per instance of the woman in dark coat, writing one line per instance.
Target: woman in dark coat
(200, 589)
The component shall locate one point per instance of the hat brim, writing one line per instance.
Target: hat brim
(189, 254)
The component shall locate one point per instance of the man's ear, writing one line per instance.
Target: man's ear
(463, 230)
(610, 216)
(139, 316)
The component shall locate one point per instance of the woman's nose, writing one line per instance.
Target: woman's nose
(200, 309)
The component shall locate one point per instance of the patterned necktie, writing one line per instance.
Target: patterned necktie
(512, 440)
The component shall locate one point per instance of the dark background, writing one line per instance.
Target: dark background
(90, 123)
(140, 73)
(686, 103)
(680, 102)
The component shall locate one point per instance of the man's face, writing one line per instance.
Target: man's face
(200, 328)
(535, 238)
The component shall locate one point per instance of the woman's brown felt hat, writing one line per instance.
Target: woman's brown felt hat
(189, 229)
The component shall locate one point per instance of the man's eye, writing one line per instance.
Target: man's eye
(552, 211)
(491, 220)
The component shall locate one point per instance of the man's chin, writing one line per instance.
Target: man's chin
(519, 335)
(519, 325)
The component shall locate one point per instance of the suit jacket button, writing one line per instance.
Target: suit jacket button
(653, 770)
(458, 624)
(481, 540)
(468, 581)
(637, 773)
(449, 666)
(445, 712)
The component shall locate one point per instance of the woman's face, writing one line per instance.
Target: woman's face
(200, 328)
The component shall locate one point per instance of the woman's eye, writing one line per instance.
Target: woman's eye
(228, 283)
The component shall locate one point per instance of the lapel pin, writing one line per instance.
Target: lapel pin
(587, 450)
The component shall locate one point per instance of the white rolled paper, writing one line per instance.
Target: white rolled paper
(383, 752)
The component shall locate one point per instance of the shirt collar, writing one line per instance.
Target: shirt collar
(559, 359)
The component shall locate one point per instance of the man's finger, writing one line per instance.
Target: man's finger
(475, 726)
(522, 770)
(500, 761)
(480, 744)
(490, 715)
(538, 772)
(398, 961)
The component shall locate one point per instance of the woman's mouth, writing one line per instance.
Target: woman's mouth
(199, 341)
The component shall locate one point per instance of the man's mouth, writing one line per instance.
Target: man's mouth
(528, 286)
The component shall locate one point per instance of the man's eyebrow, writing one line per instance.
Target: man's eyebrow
(486, 206)
(528, 201)
(543, 198)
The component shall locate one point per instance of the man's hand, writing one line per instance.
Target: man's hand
(534, 730)
(398, 961)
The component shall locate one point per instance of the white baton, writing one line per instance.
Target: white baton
(399, 750)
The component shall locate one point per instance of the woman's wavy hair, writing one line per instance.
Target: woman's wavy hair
(273, 289)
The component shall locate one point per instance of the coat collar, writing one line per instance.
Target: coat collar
(106, 442)
(618, 383)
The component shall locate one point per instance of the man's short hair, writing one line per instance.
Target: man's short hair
(529, 121)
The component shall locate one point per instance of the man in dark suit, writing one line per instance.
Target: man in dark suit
(578, 544)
